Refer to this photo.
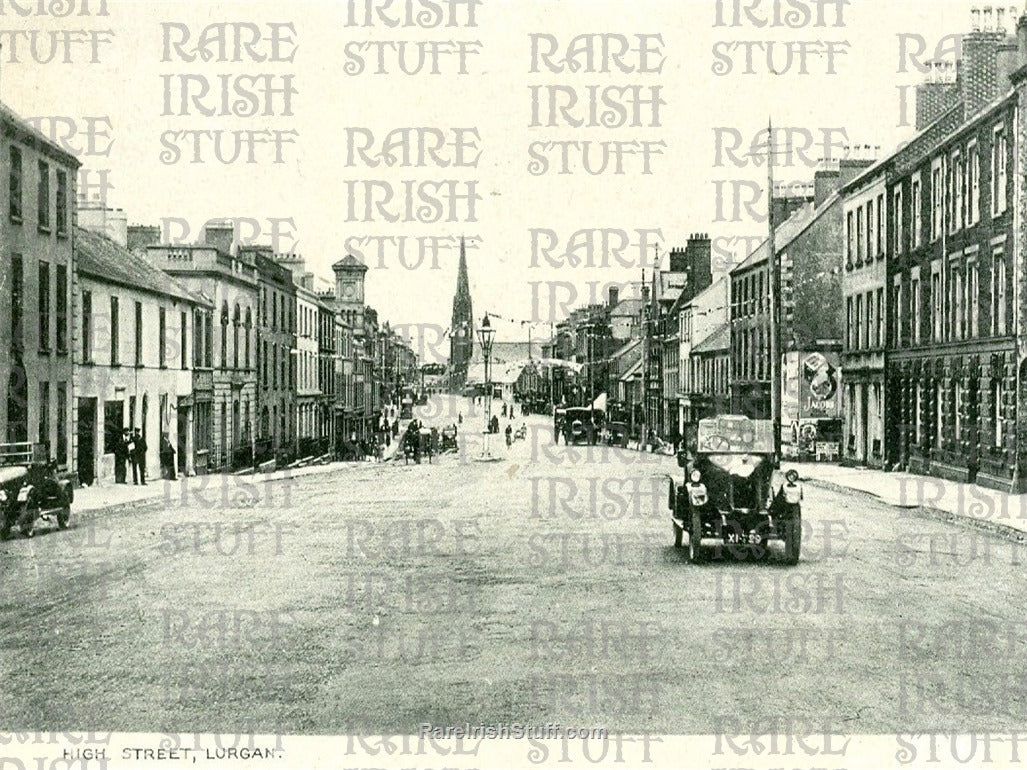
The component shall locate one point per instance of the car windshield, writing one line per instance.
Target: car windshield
(741, 465)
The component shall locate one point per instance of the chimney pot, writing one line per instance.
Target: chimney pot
(999, 19)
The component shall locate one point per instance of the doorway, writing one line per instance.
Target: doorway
(181, 434)
(86, 433)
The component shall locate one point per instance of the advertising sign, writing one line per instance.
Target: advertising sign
(820, 387)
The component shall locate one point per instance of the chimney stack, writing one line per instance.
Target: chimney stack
(613, 294)
(220, 235)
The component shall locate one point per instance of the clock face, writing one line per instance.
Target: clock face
(349, 290)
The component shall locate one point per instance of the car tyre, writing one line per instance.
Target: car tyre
(696, 554)
(678, 534)
(63, 517)
(793, 539)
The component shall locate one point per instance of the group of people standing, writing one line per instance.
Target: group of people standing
(130, 449)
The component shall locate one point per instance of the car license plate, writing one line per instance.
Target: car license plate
(748, 538)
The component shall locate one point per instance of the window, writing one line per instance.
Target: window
(871, 231)
(972, 299)
(859, 321)
(208, 341)
(44, 416)
(956, 192)
(224, 336)
(937, 198)
(916, 204)
(881, 234)
(937, 304)
(897, 220)
(973, 184)
(62, 309)
(139, 334)
(939, 413)
(850, 236)
(848, 323)
(162, 330)
(44, 306)
(956, 302)
(197, 338)
(859, 237)
(998, 293)
(997, 427)
(249, 326)
(43, 197)
(62, 202)
(62, 423)
(871, 323)
(114, 332)
(17, 287)
(915, 306)
(236, 322)
(879, 305)
(274, 312)
(998, 171)
(897, 311)
(14, 184)
(87, 327)
(183, 339)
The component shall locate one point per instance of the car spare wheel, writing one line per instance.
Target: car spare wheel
(27, 520)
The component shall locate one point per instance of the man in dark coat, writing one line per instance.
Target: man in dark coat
(167, 457)
(121, 457)
(138, 457)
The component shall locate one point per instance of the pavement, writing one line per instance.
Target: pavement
(978, 505)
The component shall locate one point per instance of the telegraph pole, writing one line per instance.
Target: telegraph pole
(775, 299)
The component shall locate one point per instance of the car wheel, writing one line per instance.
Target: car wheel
(793, 540)
(696, 554)
(63, 517)
(678, 534)
(5, 531)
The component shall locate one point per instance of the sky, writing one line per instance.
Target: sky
(117, 76)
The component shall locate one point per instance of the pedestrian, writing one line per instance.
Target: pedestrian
(167, 457)
(121, 456)
(395, 428)
(460, 418)
(137, 454)
(509, 434)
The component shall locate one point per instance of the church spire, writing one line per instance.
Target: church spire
(461, 339)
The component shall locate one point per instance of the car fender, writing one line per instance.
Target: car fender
(67, 490)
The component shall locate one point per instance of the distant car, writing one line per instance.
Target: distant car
(617, 434)
(581, 425)
(729, 492)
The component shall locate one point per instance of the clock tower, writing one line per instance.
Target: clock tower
(461, 339)
(349, 289)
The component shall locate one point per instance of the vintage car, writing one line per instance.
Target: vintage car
(581, 425)
(617, 434)
(733, 493)
(449, 439)
(30, 490)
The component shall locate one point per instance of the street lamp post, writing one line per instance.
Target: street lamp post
(486, 334)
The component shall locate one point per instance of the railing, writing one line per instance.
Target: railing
(19, 453)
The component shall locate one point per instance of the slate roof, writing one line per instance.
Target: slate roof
(29, 135)
(350, 261)
(800, 220)
(718, 340)
(104, 260)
